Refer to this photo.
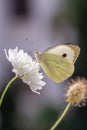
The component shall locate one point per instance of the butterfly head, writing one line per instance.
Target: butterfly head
(39, 57)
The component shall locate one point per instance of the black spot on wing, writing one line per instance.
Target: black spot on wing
(64, 55)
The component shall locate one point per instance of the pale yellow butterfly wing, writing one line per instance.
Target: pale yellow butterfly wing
(71, 50)
(58, 62)
(55, 67)
(76, 50)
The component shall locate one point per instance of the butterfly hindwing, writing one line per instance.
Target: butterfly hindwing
(56, 68)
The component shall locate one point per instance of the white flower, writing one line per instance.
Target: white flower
(26, 68)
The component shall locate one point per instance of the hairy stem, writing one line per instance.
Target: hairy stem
(61, 117)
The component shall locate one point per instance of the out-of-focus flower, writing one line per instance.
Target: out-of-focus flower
(26, 68)
(77, 92)
(76, 95)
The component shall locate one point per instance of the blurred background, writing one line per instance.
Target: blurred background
(34, 25)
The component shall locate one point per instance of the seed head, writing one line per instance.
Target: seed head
(77, 91)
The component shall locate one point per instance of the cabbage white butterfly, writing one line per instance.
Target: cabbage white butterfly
(58, 62)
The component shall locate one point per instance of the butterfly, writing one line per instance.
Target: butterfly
(58, 61)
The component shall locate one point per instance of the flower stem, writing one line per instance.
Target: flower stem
(61, 117)
(6, 88)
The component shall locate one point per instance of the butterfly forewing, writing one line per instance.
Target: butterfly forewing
(71, 51)
(76, 50)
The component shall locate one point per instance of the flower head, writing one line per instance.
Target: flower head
(77, 91)
(26, 68)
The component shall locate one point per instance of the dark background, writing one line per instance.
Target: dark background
(34, 25)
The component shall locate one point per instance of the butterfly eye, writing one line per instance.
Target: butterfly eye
(64, 55)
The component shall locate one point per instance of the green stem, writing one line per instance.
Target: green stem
(61, 117)
(6, 88)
